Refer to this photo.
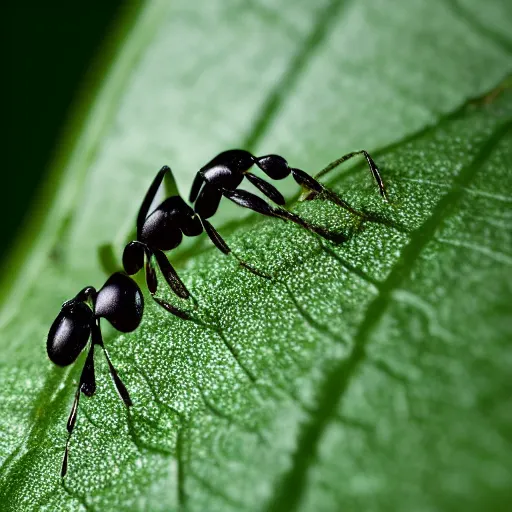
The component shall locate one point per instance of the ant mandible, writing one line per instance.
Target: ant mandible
(121, 302)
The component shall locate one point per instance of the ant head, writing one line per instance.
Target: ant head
(274, 166)
(120, 301)
(133, 258)
(69, 333)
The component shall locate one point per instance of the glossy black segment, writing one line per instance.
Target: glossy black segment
(83, 295)
(121, 388)
(64, 467)
(376, 174)
(309, 183)
(208, 201)
(162, 227)
(267, 189)
(236, 160)
(191, 225)
(250, 200)
(72, 415)
(214, 236)
(185, 315)
(121, 302)
(274, 166)
(163, 230)
(69, 333)
(196, 187)
(151, 280)
(88, 378)
(133, 258)
(170, 275)
(149, 197)
(306, 181)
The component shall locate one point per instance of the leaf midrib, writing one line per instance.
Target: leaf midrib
(295, 68)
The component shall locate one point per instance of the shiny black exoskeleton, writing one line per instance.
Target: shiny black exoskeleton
(121, 302)
(163, 230)
(222, 176)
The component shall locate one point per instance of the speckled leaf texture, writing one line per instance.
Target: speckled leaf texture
(371, 375)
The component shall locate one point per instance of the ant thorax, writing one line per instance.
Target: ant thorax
(161, 229)
(222, 177)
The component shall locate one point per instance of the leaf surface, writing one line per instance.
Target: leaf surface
(368, 375)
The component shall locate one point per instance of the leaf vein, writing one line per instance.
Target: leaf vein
(292, 485)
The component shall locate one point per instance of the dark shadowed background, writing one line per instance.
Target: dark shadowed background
(48, 55)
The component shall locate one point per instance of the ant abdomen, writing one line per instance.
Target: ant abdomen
(160, 231)
(120, 301)
(69, 334)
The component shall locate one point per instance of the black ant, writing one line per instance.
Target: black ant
(224, 173)
(121, 302)
(163, 230)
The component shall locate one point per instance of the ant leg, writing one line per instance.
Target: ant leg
(172, 309)
(151, 280)
(220, 243)
(172, 278)
(208, 201)
(309, 183)
(196, 187)
(97, 339)
(371, 164)
(87, 385)
(255, 203)
(266, 188)
(214, 236)
(151, 193)
(152, 284)
(276, 167)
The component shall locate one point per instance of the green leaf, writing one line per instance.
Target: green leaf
(369, 375)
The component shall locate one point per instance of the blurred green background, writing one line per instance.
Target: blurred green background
(51, 52)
